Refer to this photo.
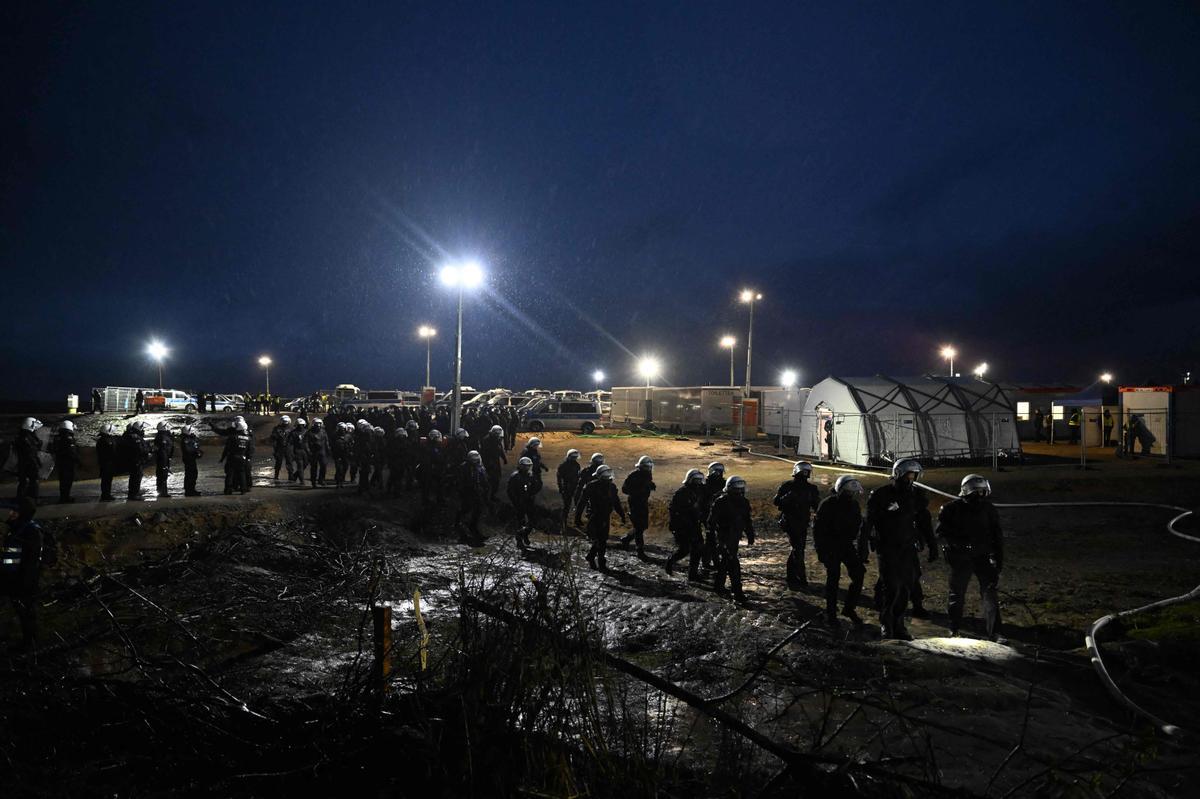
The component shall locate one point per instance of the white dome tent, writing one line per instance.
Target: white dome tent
(874, 421)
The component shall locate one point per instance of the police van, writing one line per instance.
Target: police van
(549, 413)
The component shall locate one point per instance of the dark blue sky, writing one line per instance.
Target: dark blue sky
(1022, 180)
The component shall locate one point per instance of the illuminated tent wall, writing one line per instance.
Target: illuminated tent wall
(874, 421)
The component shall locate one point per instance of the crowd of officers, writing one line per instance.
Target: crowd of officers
(402, 449)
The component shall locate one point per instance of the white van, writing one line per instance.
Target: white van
(553, 414)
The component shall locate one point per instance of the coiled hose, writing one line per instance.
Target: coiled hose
(1089, 640)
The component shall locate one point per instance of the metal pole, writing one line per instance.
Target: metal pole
(746, 390)
(731, 383)
(428, 350)
(456, 406)
(160, 376)
(1167, 428)
(268, 370)
(995, 445)
(1082, 438)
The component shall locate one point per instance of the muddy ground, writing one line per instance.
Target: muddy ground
(257, 603)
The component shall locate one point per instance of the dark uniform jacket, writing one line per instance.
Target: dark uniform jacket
(106, 453)
(189, 447)
(971, 526)
(638, 486)
(730, 517)
(713, 486)
(279, 437)
(135, 451)
(684, 510)
(899, 519)
(600, 499)
(21, 559)
(492, 452)
(164, 448)
(797, 499)
(65, 450)
(521, 489)
(472, 483)
(317, 442)
(568, 476)
(28, 445)
(838, 530)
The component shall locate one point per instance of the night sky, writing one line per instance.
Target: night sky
(245, 178)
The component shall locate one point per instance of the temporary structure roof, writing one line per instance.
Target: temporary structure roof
(878, 420)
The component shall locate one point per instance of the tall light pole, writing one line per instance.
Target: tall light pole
(465, 275)
(426, 332)
(158, 351)
(948, 353)
(728, 342)
(648, 367)
(980, 370)
(748, 296)
(265, 363)
(598, 378)
(1106, 377)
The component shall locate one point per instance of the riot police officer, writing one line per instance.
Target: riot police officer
(106, 459)
(599, 500)
(567, 477)
(189, 448)
(29, 468)
(164, 450)
(840, 540)
(520, 493)
(492, 453)
(297, 451)
(234, 456)
(638, 486)
(730, 520)
(66, 458)
(898, 525)
(685, 522)
(279, 446)
(135, 452)
(714, 484)
(796, 500)
(317, 443)
(472, 496)
(969, 530)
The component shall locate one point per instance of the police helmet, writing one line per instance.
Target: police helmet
(411, 424)
(164, 426)
(285, 419)
(645, 462)
(301, 422)
(693, 476)
(802, 467)
(66, 424)
(716, 467)
(241, 426)
(435, 435)
(134, 427)
(525, 464)
(572, 454)
(534, 442)
(187, 430)
(461, 434)
(362, 424)
(318, 422)
(604, 473)
(496, 430)
(736, 485)
(377, 432)
(906, 466)
(847, 482)
(30, 424)
(239, 418)
(597, 458)
(474, 457)
(975, 484)
(109, 429)
(400, 432)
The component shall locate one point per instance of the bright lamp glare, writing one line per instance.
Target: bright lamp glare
(728, 341)
(425, 331)
(789, 377)
(648, 367)
(981, 370)
(597, 376)
(1106, 377)
(156, 350)
(750, 296)
(949, 352)
(264, 361)
(468, 274)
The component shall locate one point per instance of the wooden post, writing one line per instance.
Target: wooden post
(382, 617)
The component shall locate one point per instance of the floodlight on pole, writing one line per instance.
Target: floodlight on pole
(748, 296)
(462, 275)
(265, 362)
(788, 378)
(158, 352)
(729, 342)
(980, 370)
(948, 353)
(598, 378)
(426, 332)
(1106, 377)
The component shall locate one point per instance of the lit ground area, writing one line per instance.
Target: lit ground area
(223, 645)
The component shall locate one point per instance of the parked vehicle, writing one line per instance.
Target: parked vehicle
(509, 401)
(172, 400)
(568, 394)
(547, 413)
(228, 403)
